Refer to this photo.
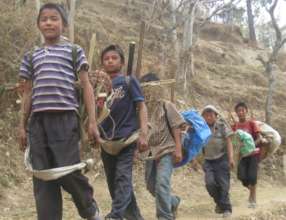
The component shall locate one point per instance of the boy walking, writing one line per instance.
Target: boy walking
(248, 166)
(122, 122)
(165, 150)
(50, 101)
(218, 154)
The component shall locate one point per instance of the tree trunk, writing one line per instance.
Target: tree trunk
(250, 19)
(163, 54)
(174, 34)
(269, 98)
(186, 66)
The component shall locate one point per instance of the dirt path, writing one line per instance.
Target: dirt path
(18, 203)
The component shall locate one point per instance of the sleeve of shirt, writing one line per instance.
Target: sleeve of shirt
(135, 90)
(25, 67)
(81, 62)
(174, 117)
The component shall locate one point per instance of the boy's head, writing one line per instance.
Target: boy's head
(112, 58)
(152, 93)
(241, 110)
(52, 20)
(210, 114)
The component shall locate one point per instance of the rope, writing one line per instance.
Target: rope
(55, 173)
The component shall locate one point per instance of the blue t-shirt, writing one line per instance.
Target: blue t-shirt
(123, 109)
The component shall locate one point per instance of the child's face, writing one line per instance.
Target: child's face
(210, 117)
(50, 24)
(241, 113)
(111, 62)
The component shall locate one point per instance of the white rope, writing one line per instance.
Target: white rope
(55, 173)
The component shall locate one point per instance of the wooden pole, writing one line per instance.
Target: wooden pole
(130, 58)
(91, 51)
(140, 49)
(71, 20)
(173, 92)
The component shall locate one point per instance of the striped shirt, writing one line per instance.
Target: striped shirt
(53, 76)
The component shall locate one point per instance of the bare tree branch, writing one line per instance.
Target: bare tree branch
(274, 22)
(261, 59)
(220, 8)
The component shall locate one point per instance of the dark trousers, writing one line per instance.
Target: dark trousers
(54, 142)
(118, 171)
(247, 170)
(217, 180)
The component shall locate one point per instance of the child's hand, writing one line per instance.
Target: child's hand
(231, 163)
(93, 133)
(22, 138)
(142, 143)
(177, 156)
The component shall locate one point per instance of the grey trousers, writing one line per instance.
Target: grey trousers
(217, 180)
(54, 142)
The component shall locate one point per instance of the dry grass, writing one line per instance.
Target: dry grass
(18, 33)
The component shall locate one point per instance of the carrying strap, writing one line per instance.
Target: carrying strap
(55, 173)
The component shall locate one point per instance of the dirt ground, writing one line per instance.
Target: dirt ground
(18, 203)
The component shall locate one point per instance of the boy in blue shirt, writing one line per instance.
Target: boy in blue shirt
(128, 113)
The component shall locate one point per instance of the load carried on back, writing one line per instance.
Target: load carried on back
(197, 132)
(196, 137)
(245, 145)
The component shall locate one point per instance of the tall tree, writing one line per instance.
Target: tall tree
(268, 63)
(250, 19)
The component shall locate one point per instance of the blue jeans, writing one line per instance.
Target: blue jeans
(158, 180)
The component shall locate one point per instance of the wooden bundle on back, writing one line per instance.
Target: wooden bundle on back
(156, 90)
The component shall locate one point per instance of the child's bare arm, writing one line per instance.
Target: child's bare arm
(143, 120)
(89, 102)
(178, 145)
(230, 152)
(25, 111)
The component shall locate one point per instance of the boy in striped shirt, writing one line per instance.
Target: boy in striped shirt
(50, 102)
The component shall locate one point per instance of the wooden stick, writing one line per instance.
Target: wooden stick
(173, 92)
(140, 49)
(130, 58)
(71, 20)
(163, 82)
(92, 46)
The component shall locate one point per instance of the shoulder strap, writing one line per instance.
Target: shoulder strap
(30, 59)
(128, 83)
(167, 120)
(74, 60)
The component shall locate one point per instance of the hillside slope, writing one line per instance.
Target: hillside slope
(226, 71)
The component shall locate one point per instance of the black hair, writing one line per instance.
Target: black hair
(59, 8)
(149, 77)
(113, 47)
(241, 104)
